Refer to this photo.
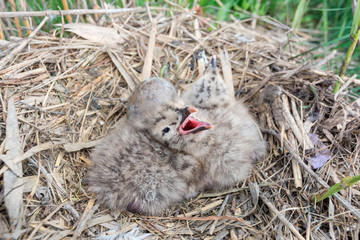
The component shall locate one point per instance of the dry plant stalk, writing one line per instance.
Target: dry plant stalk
(281, 217)
(26, 20)
(17, 21)
(146, 71)
(19, 48)
(66, 7)
(295, 166)
(15, 14)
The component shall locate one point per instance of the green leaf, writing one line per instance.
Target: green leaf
(300, 10)
(355, 23)
(224, 11)
(345, 183)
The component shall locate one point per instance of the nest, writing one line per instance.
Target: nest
(70, 90)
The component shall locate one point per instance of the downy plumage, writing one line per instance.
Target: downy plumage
(238, 143)
(150, 162)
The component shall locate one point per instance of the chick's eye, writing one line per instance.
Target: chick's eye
(166, 130)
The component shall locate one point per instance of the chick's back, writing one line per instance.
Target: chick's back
(238, 145)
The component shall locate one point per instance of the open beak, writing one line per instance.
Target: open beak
(190, 124)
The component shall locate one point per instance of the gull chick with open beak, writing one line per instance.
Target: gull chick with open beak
(151, 161)
(237, 141)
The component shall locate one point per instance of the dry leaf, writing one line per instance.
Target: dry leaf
(100, 35)
(13, 184)
(322, 152)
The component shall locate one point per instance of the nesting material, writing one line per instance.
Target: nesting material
(71, 91)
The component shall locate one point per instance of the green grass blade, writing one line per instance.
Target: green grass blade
(355, 23)
(325, 23)
(300, 10)
(354, 36)
(343, 26)
(224, 11)
(345, 183)
(319, 46)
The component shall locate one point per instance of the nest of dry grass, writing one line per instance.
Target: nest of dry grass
(71, 91)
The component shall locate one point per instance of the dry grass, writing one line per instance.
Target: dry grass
(70, 91)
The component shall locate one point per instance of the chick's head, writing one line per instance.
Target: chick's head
(156, 110)
(174, 126)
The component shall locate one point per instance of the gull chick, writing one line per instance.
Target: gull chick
(238, 143)
(149, 164)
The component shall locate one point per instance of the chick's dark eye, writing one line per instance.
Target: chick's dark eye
(166, 130)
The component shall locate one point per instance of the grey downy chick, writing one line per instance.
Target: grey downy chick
(147, 165)
(238, 143)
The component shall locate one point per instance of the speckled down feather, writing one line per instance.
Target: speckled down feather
(238, 143)
(140, 167)
(143, 168)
